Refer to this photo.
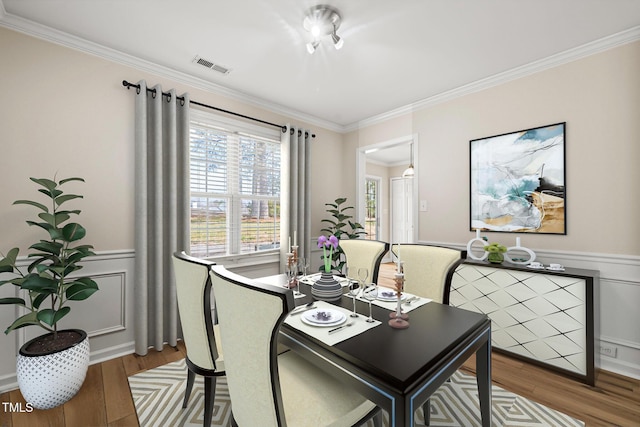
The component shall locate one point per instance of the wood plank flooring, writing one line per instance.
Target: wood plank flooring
(105, 399)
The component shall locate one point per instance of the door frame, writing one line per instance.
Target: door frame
(361, 167)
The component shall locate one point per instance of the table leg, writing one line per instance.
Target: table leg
(483, 370)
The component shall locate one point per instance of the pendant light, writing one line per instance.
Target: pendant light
(410, 171)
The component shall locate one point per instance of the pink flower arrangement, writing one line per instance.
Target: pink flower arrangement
(331, 243)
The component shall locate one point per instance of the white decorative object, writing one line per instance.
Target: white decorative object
(518, 247)
(52, 379)
(470, 253)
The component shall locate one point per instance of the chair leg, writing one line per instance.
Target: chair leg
(377, 419)
(209, 398)
(426, 408)
(190, 378)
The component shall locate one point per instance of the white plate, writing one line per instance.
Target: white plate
(323, 317)
(312, 278)
(389, 295)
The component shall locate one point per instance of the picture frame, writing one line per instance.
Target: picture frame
(517, 181)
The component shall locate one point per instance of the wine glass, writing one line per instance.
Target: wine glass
(354, 290)
(291, 268)
(363, 274)
(304, 264)
(370, 293)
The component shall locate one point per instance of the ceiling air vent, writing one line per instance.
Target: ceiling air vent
(212, 66)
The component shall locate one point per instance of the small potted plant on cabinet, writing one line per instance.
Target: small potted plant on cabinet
(50, 368)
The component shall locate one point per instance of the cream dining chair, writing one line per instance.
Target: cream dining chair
(364, 253)
(201, 335)
(268, 389)
(428, 271)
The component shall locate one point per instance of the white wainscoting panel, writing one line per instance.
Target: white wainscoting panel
(106, 316)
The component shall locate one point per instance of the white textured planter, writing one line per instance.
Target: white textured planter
(49, 380)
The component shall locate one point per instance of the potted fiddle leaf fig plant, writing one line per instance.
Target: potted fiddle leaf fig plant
(341, 226)
(50, 368)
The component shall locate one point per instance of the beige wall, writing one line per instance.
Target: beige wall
(598, 97)
(66, 113)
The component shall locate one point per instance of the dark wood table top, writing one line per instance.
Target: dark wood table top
(400, 357)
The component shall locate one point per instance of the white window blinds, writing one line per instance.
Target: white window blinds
(235, 187)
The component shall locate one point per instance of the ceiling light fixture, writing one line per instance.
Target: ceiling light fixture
(321, 21)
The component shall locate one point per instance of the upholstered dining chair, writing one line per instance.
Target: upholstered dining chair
(428, 271)
(364, 253)
(201, 335)
(268, 389)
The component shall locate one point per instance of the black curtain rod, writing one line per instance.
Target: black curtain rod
(181, 98)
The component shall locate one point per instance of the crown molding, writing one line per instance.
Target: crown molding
(64, 39)
(52, 35)
(628, 36)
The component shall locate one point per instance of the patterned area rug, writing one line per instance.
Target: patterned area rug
(158, 393)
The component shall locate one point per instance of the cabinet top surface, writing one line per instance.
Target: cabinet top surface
(568, 271)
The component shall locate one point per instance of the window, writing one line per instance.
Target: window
(235, 187)
(372, 208)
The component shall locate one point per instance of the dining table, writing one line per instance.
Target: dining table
(397, 369)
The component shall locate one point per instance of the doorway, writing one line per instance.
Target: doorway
(388, 160)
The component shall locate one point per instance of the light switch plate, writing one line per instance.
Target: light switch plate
(423, 205)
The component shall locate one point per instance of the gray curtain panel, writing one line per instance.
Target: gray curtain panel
(161, 210)
(296, 208)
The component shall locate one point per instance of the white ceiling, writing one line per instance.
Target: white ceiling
(397, 54)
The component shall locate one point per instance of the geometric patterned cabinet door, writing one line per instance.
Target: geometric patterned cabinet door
(543, 316)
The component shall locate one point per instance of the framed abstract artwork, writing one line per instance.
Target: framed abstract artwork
(517, 181)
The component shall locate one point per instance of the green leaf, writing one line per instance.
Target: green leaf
(15, 281)
(75, 211)
(41, 225)
(48, 247)
(51, 193)
(7, 264)
(38, 300)
(22, 321)
(72, 232)
(18, 301)
(29, 202)
(54, 220)
(34, 282)
(60, 200)
(81, 289)
(75, 178)
(51, 317)
(341, 200)
(46, 183)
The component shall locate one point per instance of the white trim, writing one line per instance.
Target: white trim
(52, 35)
(627, 36)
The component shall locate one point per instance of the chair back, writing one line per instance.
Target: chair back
(364, 253)
(193, 291)
(428, 269)
(250, 314)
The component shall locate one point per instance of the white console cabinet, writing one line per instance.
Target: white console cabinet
(543, 316)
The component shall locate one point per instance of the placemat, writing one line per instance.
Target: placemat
(359, 325)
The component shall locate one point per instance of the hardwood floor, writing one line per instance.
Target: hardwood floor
(105, 399)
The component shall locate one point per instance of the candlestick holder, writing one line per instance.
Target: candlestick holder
(291, 271)
(398, 319)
